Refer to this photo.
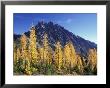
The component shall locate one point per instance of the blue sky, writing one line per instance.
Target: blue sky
(82, 24)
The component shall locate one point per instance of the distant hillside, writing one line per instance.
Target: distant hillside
(56, 33)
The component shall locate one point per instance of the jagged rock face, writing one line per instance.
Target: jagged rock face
(57, 33)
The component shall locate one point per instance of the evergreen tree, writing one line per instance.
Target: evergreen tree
(92, 59)
(28, 67)
(80, 64)
(58, 55)
(67, 57)
(18, 54)
(41, 50)
(70, 55)
(33, 46)
(23, 42)
(15, 52)
(46, 49)
(73, 55)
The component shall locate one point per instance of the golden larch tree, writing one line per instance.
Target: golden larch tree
(73, 55)
(58, 55)
(18, 54)
(80, 63)
(50, 55)
(92, 58)
(70, 55)
(28, 67)
(15, 52)
(33, 45)
(67, 57)
(41, 50)
(46, 47)
(23, 42)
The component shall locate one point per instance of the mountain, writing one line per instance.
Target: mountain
(56, 33)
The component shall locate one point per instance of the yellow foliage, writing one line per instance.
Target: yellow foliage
(58, 55)
(18, 54)
(50, 55)
(28, 69)
(70, 55)
(67, 54)
(15, 56)
(45, 44)
(41, 50)
(23, 41)
(73, 55)
(15, 52)
(33, 46)
(92, 58)
(80, 63)
(62, 57)
(47, 56)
